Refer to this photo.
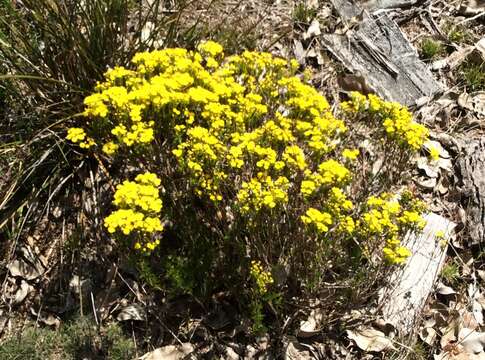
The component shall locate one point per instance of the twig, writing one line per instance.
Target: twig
(131, 289)
(479, 15)
(94, 309)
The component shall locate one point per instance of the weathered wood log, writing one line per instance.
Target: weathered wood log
(402, 302)
(471, 164)
(375, 47)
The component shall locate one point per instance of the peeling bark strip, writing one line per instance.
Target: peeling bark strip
(472, 169)
(390, 4)
(377, 49)
(402, 302)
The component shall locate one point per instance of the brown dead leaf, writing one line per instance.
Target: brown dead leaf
(295, 351)
(474, 102)
(457, 354)
(369, 339)
(170, 352)
(475, 294)
(472, 341)
(472, 7)
(132, 312)
(469, 320)
(299, 51)
(312, 325)
(23, 290)
(448, 338)
(47, 319)
(426, 183)
(230, 354)
(454, 59)
(444, 290)
(313, 30)
(21, 268)
(428, 335)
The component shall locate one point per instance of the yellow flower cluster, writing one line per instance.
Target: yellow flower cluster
(394, 253)
(397, 120)
(321, 220)
(210, 49)
(329, 173)
(337, 208)
(262, 278)
(263, 192)
(440, 234)
(389, 216)
(350, 154)
(139, 206)
(78, 135)
(244, 121)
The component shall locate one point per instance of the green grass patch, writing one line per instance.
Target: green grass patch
(473, 75)
(79, 339)
(450, 272)
(303, 13)
(431, 49)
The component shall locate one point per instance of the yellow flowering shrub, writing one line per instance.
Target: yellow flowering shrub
(249, 154)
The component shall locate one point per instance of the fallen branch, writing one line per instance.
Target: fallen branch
(402, 302)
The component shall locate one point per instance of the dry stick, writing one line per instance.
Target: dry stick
(168, 329)
(94, 309)
(479, 15)
(134, 340)
(105, 172)
(80, 295)
(131, 289)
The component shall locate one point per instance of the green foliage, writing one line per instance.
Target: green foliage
(303, 13)
(459, 34)
(257, 317)
(147, 274)
(473, 74)
(180, 274)
(450, 272)
(190, 270)
(258, 303)
(232, 40)
(431, 49)
(32, 344)
(77, 340)
(456, 35)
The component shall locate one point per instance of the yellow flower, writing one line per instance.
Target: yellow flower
(262, 278)
(434, 153)
(110, 148)
(350, 154)
(320, 220)
(440, 234)
(244, 133)
(75, 134)
(210, 48)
